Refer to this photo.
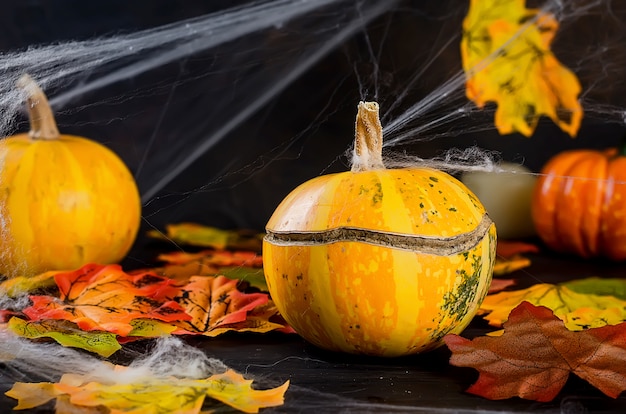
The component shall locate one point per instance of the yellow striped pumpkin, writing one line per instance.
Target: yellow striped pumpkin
(379, 261)
(64, 200)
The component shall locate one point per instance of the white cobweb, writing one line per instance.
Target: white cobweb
(242, 95)
(222, 114)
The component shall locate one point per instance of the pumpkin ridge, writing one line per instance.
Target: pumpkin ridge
(424, 244)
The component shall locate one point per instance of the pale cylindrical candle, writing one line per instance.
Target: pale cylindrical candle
(507, 196)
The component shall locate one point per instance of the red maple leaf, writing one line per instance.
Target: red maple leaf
(498, 285)
(536, 354)
(216, 306)
(104, 297)
(508, 249)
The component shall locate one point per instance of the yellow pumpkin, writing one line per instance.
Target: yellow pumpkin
(64, 200)
(379, 261)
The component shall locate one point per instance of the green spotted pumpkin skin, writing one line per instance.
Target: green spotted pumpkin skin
(383, 262)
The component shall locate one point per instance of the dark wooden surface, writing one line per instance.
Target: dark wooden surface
(323, 382)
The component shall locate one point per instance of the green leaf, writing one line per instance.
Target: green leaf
(253, 275)
(19, 285)
(195, 234)
(150, 328)
(67, 334)
(577, 310)
(599, 286)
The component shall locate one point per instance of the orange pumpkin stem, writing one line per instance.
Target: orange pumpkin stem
(368, 141)
(42, 123)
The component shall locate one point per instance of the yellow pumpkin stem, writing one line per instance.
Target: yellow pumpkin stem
(42, 123)
(368, 141)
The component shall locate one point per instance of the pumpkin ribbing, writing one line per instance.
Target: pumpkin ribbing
(579, 203)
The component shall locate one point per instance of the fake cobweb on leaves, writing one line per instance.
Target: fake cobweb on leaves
(171, 377)
(222, 112)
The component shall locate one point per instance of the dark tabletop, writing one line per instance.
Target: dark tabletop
(323, 382)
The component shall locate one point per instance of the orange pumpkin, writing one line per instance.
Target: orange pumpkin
(379, 261)
(65, 200)
(579, 203)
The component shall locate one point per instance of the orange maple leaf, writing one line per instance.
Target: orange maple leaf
(507, 60)
(104, 297)
(536, 354)
(244, 266)
(216, 258)
(217, 306)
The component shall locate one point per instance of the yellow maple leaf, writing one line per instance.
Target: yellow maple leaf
(577, 310)
(584, 318)
(166, 395)
(507, 60)
(66, 334)
(195, 234)
(33, 395)
(18, 285)
(505, 266)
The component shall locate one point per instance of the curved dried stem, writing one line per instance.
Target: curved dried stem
(42, 122)
(368, 141)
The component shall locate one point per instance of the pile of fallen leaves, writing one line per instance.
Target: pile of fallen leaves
(545, 332)
(549, 331)
(98, 308)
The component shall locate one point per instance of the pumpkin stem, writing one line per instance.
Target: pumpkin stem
(42, 123)
(368, 141)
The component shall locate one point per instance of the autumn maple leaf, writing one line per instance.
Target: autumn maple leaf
(244, 266)
(15, 286)
(509, 256)
(506, 266)
(578, 309)
(144, 304)
(75, 393)
(104, 297)
(507, 249)
(506, 55)
(195, 234)
(217, 306)
(499, 284)
(536, 354)
(66, 334)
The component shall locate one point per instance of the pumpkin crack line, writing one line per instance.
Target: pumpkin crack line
(425, 244)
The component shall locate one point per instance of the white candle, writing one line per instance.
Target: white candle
(507, 196)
